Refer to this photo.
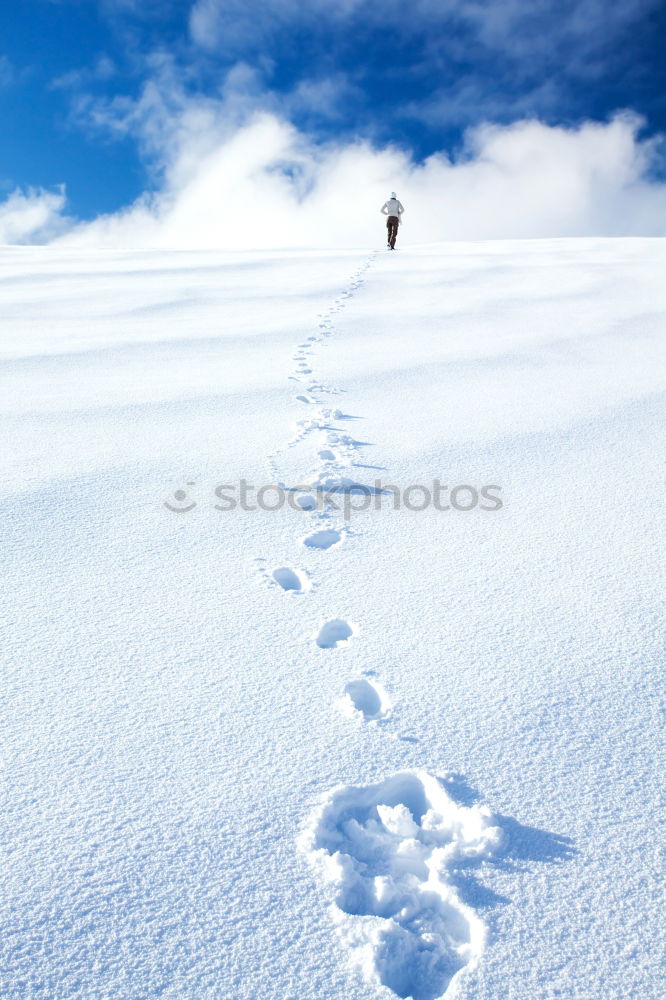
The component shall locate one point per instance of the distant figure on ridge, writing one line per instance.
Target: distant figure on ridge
(394, 210)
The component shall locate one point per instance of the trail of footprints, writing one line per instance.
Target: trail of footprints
(335, 451)
(384, 853)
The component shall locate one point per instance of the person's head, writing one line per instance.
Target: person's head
(393, 194)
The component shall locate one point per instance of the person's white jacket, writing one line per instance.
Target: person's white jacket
(393, 207)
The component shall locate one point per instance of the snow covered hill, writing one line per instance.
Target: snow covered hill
(331, 625)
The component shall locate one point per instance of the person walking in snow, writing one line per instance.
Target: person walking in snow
(393, 209)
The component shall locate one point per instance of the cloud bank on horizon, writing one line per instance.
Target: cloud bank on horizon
(265, 184)
(246, 143)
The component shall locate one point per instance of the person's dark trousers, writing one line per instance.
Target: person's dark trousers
(392, 227)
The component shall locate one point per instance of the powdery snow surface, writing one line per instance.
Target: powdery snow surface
(295, 754)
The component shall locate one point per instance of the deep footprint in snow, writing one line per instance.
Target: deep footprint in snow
(389, 851)
(365, 699)
(293, 580)
(335, 633)
(324, 539)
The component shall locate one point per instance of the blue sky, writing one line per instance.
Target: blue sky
(412, 74)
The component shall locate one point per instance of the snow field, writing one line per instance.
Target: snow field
(196, 693)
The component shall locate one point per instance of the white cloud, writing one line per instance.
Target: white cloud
(102, 69)
(530, 33)
(34, 216)
(228, 180)
(228, 175)
(468, 100)
(236, 25)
